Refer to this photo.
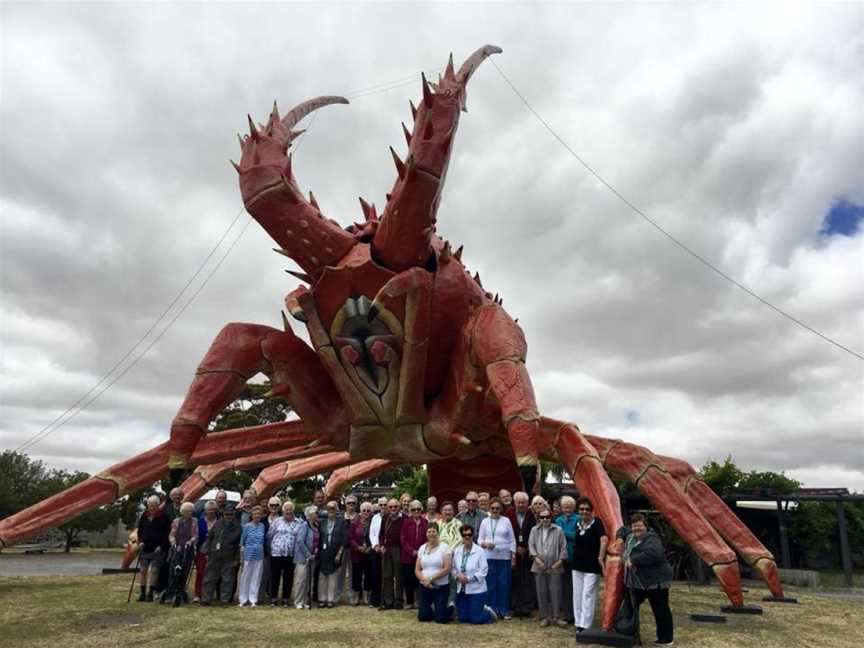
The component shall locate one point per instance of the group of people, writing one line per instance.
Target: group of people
(486, 558)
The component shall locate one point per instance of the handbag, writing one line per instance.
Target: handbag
(627, 617)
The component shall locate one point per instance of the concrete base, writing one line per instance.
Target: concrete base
(604, 638)
(741, 609)
(779, 599)
(708, 617)
(119, 570)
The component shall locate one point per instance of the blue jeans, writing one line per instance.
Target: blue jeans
(433, 598)
(498, 584)
(469, 607)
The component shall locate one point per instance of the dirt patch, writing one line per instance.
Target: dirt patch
(108, 619)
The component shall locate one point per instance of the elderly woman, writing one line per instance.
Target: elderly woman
(547, 547)
(282, 538)
(647, 574)
(469, 569)
(360, 550)
(411, 538)
(183, 538)
(332, 540)
(305, 549)
(589, 553)
(205, 523)
(431, 513)
(153, 529)
(497, 539)
(461, 507)
(448, 526)
(175, 501)
(252, 551)
(432, 570)
(345, 571)
(567, 519)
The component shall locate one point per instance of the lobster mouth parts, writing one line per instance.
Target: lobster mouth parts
(369, 349)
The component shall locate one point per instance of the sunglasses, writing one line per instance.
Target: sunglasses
(545, 517)
(416, 509)
(494, 508)
(273, 505)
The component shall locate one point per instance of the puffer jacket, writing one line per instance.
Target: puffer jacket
(652, 570)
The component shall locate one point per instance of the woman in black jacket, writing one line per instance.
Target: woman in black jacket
(648, 574)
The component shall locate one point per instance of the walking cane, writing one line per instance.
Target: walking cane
(310, 566)
(135, 572)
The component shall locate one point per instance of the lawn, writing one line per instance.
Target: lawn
(91, 611)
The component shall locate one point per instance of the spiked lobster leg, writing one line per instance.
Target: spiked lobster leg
(124, 477)
(343, 478)
(239, 352)
(727, 524)
(274, 477)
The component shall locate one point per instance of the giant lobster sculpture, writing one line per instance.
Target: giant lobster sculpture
(411, 362)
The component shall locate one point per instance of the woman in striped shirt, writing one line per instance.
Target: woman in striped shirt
(252, 552)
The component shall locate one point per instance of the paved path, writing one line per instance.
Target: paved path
(19, 564)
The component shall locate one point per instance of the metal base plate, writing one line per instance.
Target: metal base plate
(708, 617)
(741, 609)
(780, 599)
(604, 638)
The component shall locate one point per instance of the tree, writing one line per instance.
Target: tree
(93, 521)
(416, 483)
(722, 478)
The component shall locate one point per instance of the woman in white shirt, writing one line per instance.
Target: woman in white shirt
(469, 569)
(432, 569)
(499, 542)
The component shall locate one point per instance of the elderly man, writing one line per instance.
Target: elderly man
(473, 516)
(523, 595)
(375, 554)
(506, 499)
(483, 500)
(223, 556)
(153, 530)
(221, 500)
(172, 506)
(390, 550)
(305, 553)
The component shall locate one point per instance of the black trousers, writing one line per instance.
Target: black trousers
(281, 568)
(361, 574)
(567, 592)
(375, 579)
(409, 582)
(523, 594)
(658, 599)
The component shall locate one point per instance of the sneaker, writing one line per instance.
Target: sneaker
(273, 603)
(508, 617)
(544, 623)
(664, 643)
(196, 600)
(253, 605)
(561, 623)
(241, 604)
(492, 613)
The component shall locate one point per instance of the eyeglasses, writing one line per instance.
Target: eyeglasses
(544, 517)
(416, 510)
(471, 500)
(467, 534)
(494, 508)
(584, 508)
(274, 505)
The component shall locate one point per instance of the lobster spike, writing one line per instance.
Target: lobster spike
(312, 200)
(458, 253)
(449, 74)
(295, 134)
(428, 130)
(235, 165)
(400, 165)
(367, 209)
(477, 279)
(285, 325)
(253, 132)
(428, 99)
(302, 276)
(240, 141)
(274, 115)
(388, 196)
(407, 133)
(285, 253)
(413, 109)
(446, 253)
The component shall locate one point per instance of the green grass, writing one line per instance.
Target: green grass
(91, 611)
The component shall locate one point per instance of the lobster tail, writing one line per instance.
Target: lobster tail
(402, 240)
(273, 197)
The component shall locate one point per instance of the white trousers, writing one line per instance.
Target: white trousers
(250, 581)
(584, 598)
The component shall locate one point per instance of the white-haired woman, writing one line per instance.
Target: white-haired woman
(282, 538)
(568, 520)
(252, 551)
(205, 523)
(183, 538)
(305, 549)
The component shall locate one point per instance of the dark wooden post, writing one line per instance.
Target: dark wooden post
(845, 555)
(786, 559)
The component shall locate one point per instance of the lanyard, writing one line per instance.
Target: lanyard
(493, 523)
(465, 560)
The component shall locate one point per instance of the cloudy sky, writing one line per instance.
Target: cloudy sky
(739, 130)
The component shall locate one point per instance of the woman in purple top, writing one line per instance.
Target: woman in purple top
(360, 550)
